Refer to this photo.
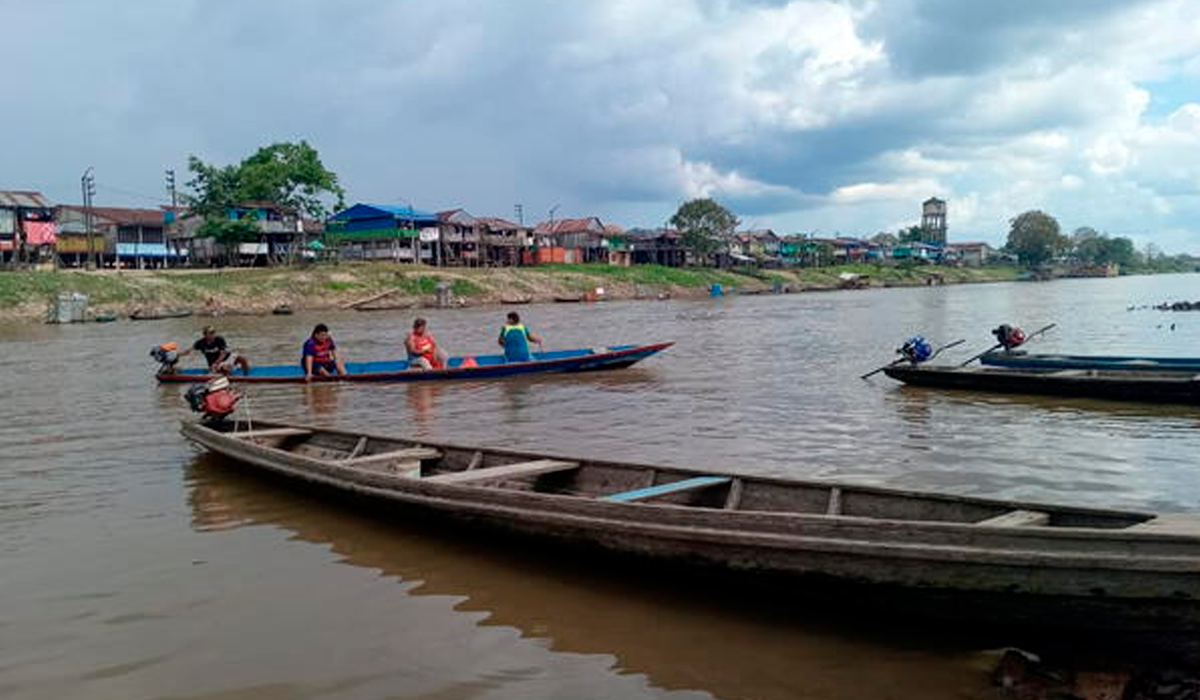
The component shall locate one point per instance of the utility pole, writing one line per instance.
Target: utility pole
(171, 188)
(88, 185)
(519, 210)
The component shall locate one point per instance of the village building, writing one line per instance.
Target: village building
(656, 247)
(505, 241)
(28, 229)
(760, 244)
(284, 236)
(384, 232)
(975, 254)
(121, 237)
(583, 240)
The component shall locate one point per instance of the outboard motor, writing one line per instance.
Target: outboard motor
(215, 400)
(1009, 337)
(916, 350)
(167, 356)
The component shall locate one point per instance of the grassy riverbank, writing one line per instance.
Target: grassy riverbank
(24, 295)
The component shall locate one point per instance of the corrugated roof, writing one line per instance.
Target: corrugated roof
(498, 224)
(24, 198)
(571, 226)
(123, 216)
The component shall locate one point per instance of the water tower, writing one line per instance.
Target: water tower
(933, 220)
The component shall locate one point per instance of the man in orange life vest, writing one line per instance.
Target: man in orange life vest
(422, 347)
(321, 356)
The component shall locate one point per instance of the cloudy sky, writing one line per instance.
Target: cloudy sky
(803, 116)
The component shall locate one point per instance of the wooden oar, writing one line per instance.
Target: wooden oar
(903, 359)
(997, 346)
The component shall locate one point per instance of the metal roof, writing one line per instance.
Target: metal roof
(24, 198)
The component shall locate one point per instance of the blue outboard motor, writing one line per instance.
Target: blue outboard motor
(916, 350)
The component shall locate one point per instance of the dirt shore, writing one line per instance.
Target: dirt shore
(25, 295)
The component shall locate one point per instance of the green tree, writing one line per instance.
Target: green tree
(1034, 237)
(288, 174)
(912, 234)
(705, 225)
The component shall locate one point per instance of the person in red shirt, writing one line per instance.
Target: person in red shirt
(422, 347)
(321, 357)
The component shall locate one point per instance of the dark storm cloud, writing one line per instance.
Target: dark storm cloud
(602, 107)
(942, 37)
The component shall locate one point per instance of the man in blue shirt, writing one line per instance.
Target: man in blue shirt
(515, 339)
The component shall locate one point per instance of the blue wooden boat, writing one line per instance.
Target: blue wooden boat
(1023, 360)
(485, 367)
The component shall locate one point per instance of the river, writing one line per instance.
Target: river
(133, 566)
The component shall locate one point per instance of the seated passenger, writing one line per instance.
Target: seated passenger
(422, 348)
(515, 339)
(321, 357)
(220, 359)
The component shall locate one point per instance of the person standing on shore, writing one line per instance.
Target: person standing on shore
(422, 348)
(515, 339)
(321, 357)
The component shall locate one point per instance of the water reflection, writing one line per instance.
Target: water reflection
(682, 637)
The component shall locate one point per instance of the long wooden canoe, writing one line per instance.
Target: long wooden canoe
(1121, 385)
(485, 367)
(1082, 566)
(1022, 360)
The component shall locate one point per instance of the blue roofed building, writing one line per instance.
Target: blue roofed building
(383, 232)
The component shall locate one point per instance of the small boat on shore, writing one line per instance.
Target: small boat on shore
(1059, 565)
(1023, 360)
(1121, 385)
(142, 315)
(475, 367)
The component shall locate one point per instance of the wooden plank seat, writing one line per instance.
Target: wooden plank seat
(1018, 518)
(269, 432)
(649, 492)
(504, 471)
(408, 454)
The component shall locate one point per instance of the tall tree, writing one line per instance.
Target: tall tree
(705, 225)
(287, 174)
(912, 234)
(1035, 238)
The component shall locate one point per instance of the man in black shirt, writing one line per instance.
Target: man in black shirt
(217, 354)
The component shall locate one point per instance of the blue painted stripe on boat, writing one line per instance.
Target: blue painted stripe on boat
(672, 487)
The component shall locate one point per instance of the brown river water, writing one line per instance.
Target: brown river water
(132, 566)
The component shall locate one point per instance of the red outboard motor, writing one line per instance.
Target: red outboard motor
(215, 400)
(1009, 337)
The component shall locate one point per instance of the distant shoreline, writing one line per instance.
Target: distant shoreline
(25, 295)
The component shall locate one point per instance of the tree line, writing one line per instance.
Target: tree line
(1036, 239)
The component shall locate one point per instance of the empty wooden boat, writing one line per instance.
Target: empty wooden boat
(1131, 363)
(1082, 566)
(1121, 385)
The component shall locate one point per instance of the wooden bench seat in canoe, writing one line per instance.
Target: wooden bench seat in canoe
(408, 454)
(1018, 518)
(645, 494)
(270, 432)
(504, 471)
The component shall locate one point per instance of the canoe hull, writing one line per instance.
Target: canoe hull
(1021, 360)
(1138, 580)
(596, 361)
(1118, 385)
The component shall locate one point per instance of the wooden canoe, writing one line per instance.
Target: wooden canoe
(485, 367)
(1121, 385)
(1085, 566)
(1023, 360)
(140, 315)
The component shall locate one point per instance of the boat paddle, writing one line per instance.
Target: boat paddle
(905, 359)
(997, 346)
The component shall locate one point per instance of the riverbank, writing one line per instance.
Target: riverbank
(24, 295)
